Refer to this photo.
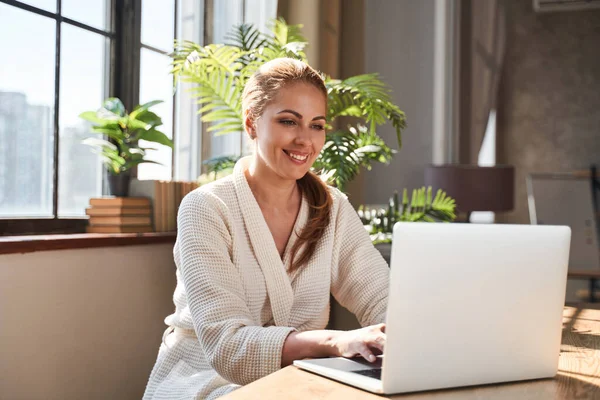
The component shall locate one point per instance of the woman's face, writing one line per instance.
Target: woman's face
(291, 131)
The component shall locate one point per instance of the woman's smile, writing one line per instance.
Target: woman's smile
(296, 157)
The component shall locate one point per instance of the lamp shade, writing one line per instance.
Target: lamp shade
(474, 188)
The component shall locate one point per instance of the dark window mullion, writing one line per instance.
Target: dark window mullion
(127, 54)
(174, 111)
(56, 113)
(154, 49)
(86, 27)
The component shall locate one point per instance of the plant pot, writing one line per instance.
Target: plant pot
(118, 185)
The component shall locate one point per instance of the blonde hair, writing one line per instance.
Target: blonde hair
(260, 90)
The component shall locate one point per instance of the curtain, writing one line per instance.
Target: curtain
(482, 56)
(321, 22)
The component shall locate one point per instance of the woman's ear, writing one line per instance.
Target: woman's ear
(249, 126)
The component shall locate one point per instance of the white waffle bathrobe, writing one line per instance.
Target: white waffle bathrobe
(236, 302)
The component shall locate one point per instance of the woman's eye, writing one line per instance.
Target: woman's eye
(319, 127)
(287, 122)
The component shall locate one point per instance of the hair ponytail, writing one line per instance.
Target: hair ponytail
(320, 203)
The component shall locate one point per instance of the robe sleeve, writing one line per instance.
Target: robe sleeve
(238, 349)
(360, 278)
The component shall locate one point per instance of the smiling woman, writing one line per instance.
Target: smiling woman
(284, 104)
(259, 253)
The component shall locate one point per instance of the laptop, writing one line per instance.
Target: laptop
(469, 304)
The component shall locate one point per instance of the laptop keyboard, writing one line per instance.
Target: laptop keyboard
(371, 373)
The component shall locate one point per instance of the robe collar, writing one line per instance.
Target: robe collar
(274, 269)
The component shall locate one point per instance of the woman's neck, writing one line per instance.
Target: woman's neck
(269, 189)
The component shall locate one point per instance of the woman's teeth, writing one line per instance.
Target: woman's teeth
(298, 157)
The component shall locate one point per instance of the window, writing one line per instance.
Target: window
(54, 67)
(69, 55)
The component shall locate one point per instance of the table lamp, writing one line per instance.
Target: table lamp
(473, 187)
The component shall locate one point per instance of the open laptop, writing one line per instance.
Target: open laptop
(469, 304)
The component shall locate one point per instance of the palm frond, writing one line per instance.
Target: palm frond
(246, 37)
(419, 208)
(423, 208)
(339, 155)
(188, 57)
(219, 96)
(346, 151)
(364, 96)
(284, 33)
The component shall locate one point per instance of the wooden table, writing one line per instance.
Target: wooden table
(578, 376)
(592, 276)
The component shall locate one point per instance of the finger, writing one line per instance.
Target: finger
(378, 338)
(367, 354)
(376, 345)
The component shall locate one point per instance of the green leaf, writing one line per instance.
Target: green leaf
(93, 117)
(284, 33)
(115, 106)
(150, 118)
(114, 133)
(246, 37)
(100, 143)
(134, 124)
(364, 96)
(107, 115)
(217, 164)
(142, 108)
(153, 135)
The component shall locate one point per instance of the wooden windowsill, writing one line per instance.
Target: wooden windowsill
(32, 243)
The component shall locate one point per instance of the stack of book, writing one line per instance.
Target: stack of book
(119, 215)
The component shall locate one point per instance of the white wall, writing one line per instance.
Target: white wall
(400, 46)
(82, 324)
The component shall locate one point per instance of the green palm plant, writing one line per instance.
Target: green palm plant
(422, 207)
(218, 73)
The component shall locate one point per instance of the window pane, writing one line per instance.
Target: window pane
(82, 88)
(260, 13)
(89, 12)
(188, 151)
(158, 19)
(156, 83)
(26, 113)
(227, 14)
(48, 5)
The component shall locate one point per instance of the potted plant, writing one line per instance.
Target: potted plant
(124, 130)
(220, 71)
(422, 207)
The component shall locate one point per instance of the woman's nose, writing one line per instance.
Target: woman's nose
(303, 137)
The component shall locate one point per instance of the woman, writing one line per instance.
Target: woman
(259, 252)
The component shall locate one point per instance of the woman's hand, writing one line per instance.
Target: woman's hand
(323, 343)
(364, 342)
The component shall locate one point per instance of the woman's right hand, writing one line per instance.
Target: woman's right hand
(364, 342)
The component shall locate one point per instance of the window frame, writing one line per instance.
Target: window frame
(122, 80)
